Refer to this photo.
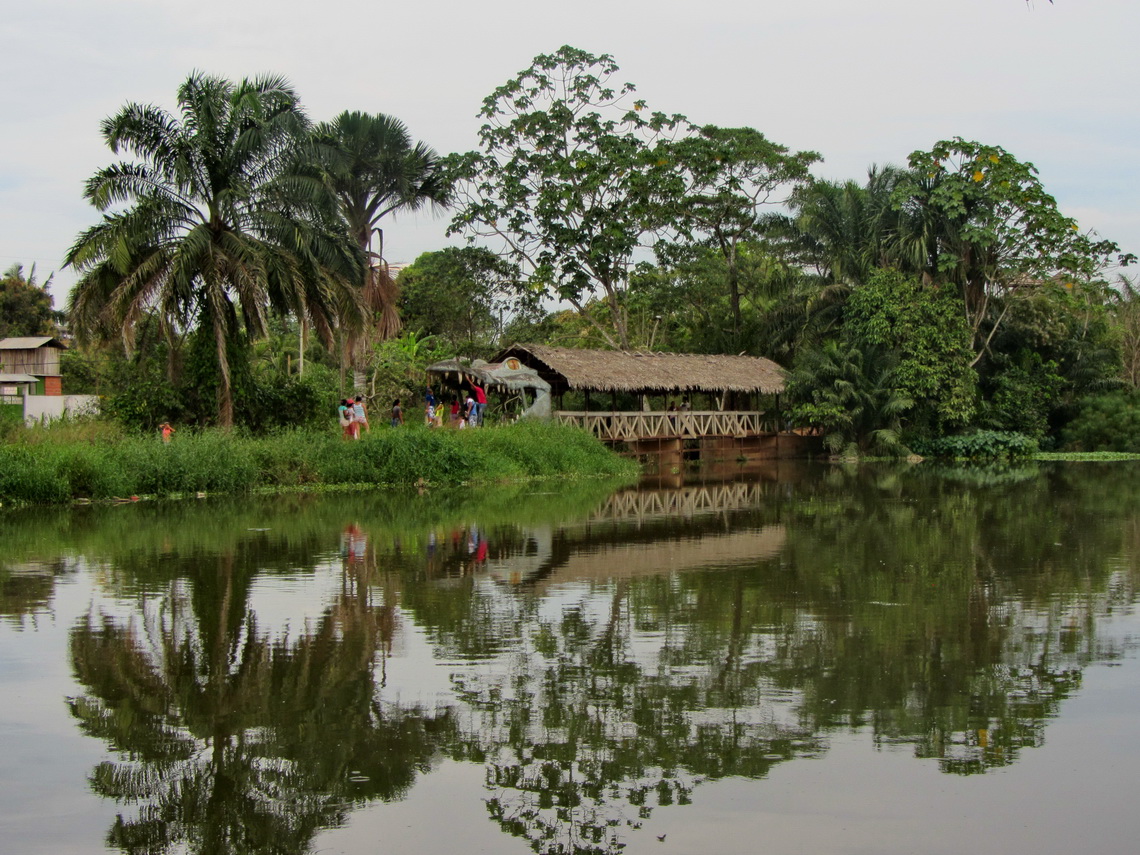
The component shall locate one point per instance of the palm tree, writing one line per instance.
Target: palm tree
(845, 230)
(853, 395)
(375, 169)
(211, 224)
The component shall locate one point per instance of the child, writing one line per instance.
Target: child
(347, 418)
(359, 416)
(167, 432)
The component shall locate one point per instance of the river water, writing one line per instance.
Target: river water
(803, 659)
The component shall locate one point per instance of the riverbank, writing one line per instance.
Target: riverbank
(65, 468)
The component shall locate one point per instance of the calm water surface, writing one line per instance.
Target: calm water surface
(803, 660)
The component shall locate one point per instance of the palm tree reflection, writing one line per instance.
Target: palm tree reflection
(229, 742)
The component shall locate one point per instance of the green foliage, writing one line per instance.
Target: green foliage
(852, 395)
(980, 445)
(398, 370)
(974, 216)
(460, 296)
(686, 306)
(722, 181)
(375, 169)
(998, 222)
(925, 330)
(842, 231)
(26, 306)
(1108, 422)
(1024, 392)
(220, 461)
(565, 177)
(212, 224)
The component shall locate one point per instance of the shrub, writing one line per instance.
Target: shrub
(980, 445)
(228, 462)
(1105, 423)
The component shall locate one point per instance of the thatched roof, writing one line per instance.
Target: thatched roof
(632, 371)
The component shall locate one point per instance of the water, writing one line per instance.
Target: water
(803, 660)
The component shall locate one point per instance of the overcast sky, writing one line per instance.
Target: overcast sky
(860, 81)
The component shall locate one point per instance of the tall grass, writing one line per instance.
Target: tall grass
(49, 467)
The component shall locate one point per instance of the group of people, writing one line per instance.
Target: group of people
(465, 409)
(353, 417)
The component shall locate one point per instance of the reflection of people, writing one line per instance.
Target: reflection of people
(353, 543)
(167, 431)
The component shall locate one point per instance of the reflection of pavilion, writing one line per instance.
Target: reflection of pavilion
(683, 502)
(597, 552)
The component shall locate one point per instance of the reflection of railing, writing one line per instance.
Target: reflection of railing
(692, 424)
(685, 502)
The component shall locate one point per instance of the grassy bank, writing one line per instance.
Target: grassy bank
(60, 467)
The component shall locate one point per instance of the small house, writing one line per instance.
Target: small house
(35, 357)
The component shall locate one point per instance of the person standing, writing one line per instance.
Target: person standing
(359, 415)
(480, 403)
(470, 410)
(167, 432)
(397, 413)
(346, 417)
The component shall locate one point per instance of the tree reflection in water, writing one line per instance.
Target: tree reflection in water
(948, 615)
(229, 742)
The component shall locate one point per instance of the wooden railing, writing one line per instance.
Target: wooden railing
(684, 425)
(684, 502)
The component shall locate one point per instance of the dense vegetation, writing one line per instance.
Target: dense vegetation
(51, 467)
(932, 300)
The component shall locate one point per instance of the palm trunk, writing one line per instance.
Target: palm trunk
(225, 390)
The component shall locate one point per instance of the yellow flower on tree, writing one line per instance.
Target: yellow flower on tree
(979, 175)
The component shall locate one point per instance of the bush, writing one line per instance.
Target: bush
(981, 445)
(1105, 423)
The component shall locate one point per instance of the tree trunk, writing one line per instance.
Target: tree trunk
(225, 391)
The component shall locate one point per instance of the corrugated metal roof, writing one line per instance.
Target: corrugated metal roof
(30, 342)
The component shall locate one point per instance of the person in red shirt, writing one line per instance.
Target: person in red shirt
(480, 403)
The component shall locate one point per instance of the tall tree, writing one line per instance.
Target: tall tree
(26, 306)
(376, 169)
(210, 224)
(842, 231)
(463, 295)
(723, 182)
(974, 216)
(565, 179)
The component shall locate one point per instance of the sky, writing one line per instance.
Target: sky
(859, 82)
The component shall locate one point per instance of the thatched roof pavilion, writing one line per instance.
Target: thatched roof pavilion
(566, 368)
